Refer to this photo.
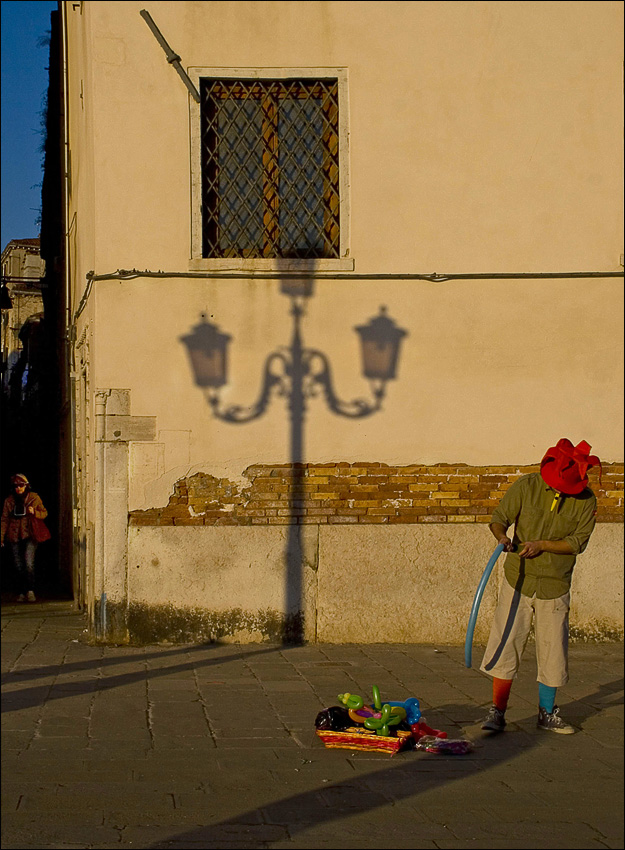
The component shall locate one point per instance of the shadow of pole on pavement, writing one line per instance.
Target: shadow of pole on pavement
(365, 794)
(30, 697)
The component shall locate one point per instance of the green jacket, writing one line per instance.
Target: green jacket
(528, 506)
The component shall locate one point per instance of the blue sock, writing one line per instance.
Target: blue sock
(546, 697)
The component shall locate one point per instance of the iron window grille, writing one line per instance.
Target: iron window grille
(270, 168)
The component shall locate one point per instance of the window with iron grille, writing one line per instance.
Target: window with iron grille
(270, 168)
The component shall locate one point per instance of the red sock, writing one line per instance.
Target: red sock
(501, 692)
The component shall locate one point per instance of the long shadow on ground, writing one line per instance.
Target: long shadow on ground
(280, 821)
(30, 697)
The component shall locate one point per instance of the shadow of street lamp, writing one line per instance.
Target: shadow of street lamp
(298, 374)
(295, 372)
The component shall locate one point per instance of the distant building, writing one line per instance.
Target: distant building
(22, 281)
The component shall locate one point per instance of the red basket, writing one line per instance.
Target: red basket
(355, 739)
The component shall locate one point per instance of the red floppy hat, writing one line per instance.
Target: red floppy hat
(564, 466)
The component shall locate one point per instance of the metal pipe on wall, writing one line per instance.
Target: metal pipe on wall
(97, 591)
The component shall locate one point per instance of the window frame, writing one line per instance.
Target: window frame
(199, 263)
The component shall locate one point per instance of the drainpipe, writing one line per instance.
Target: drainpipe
(97, 594)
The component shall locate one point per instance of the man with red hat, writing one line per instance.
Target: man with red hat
(553, 513)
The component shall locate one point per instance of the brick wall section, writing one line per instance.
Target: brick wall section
(350, 493)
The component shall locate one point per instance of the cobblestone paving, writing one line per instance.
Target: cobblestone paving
(213, 746)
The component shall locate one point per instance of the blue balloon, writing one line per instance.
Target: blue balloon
(411, 707)
(468, 644)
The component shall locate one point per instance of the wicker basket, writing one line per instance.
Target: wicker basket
(355, 739)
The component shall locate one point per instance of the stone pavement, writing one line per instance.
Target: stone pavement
(213, 746)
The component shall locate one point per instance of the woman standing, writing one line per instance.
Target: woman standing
(23, 529)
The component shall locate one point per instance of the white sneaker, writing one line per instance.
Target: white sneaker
(31, 596)
(21, 598)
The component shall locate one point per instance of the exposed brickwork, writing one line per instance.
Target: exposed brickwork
(344, 493)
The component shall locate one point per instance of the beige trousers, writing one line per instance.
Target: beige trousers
(511, 628)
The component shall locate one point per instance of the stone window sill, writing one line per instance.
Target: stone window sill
(236, 264)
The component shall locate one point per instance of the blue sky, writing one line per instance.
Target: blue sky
(24, 84)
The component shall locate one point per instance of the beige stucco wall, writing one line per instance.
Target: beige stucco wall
(359, 584)
(480, 134)
(476, 383)
(413, 584)
(479, 141)
(226, 571)
(483, 138)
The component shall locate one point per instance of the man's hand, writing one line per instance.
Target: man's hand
(532, 549)
(499, 532)
(508, 545)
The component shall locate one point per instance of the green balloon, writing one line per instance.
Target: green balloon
(381, 724)
(352, 701)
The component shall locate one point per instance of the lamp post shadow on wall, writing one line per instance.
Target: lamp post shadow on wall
(298, 374)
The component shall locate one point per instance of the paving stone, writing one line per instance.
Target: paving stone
(226, 835)
(382, 829)
(196, 743)
(16, 739)
(515, 844)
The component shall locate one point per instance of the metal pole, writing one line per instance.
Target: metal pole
(172, 57)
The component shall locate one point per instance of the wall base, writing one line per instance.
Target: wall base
(409, 584)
